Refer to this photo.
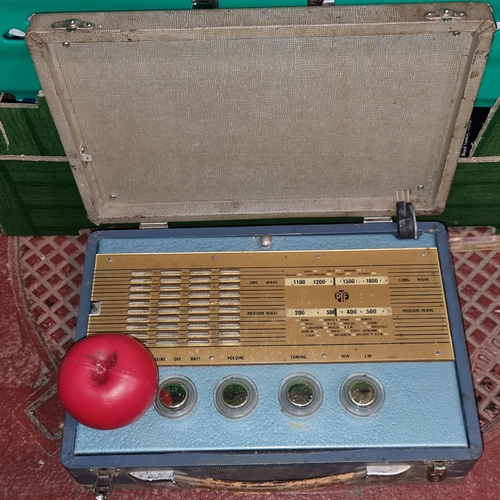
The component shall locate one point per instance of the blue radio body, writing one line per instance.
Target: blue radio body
(428, 419)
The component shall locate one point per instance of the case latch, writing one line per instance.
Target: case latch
(103, 484)
(407, 220)
(436, 471)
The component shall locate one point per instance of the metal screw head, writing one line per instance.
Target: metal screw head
(265, 241)
(112, 196)
(456, 33)
(95, 308)
(66, 44)
(420, 186)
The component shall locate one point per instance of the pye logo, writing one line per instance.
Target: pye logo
(341, 296)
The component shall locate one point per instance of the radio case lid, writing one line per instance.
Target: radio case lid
(260, 113)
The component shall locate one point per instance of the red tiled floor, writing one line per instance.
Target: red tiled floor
(36, 331)
(51, 268)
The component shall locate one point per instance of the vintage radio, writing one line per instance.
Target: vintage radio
(294, 355)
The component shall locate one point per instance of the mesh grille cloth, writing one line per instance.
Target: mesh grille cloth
(270, 120)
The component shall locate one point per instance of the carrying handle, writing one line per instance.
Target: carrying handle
(185, 481)
(386, 473)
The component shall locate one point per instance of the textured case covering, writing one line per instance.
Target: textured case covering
(220, 114)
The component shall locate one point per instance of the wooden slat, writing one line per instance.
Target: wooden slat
(29, 130)
(489, 141)
(40, 198)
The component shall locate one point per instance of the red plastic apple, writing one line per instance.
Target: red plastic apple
(107, 381)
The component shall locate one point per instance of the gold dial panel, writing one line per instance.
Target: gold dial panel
(275, 307)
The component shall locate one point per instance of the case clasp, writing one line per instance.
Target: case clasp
(436, 471)
(407, 219)
(103, 483)
(445, 14)
(72, 25)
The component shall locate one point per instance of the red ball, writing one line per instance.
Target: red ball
(107, 381)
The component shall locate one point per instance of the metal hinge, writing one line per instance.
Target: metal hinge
(407, 220)
(72, 25)
(153, 225)
(436, 471)
(445, 14)
(204, 4)
(377, 219)
(103, 484)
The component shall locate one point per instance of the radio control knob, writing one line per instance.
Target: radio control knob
(235, 396)
(173, 395)
(361, 394)
(300, 395)
(176, 396)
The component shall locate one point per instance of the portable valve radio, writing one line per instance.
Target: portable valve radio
(295, 355)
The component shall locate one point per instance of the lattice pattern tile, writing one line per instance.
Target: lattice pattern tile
(51, 270)
(470, 232)
(478, 278)
(52, 273)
